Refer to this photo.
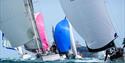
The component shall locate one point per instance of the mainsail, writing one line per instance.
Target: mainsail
(34, 45)
(116, 10)
(14, 22)
(39, 22)
(90, 19)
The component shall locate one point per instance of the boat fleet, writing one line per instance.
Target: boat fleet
(23, 30)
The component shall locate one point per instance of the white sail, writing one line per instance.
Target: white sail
(35, 42)
(15, 22)
(90, 19)
(116, 9)
(73, 43)
(0, 36)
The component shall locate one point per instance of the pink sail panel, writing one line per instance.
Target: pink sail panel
(40, 26)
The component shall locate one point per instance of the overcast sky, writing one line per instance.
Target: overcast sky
(53, 13)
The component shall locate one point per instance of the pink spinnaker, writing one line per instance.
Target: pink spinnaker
(40, 26)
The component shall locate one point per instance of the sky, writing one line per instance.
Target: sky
(53, 13)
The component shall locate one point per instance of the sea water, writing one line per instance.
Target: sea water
(84, 60)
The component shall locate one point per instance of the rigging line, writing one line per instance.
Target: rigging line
(110, 20)
(124, 17)
(36, 3)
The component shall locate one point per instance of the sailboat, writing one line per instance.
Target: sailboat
(16, 28)
(24, 31)
(65, 43)
(16, 23)
(96, 26)
(91, 20)
(40, 27)
(33, 34)
(119, 24)
(62, 37)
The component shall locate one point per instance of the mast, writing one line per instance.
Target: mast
(29, 9)
(39, 19)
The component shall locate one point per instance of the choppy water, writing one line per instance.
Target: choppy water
(59, 61)
(85, 60)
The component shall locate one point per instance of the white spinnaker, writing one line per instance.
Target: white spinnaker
(91, 21)
(15, 22)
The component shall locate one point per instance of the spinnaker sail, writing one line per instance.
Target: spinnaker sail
(62, 36)
(40, 25)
